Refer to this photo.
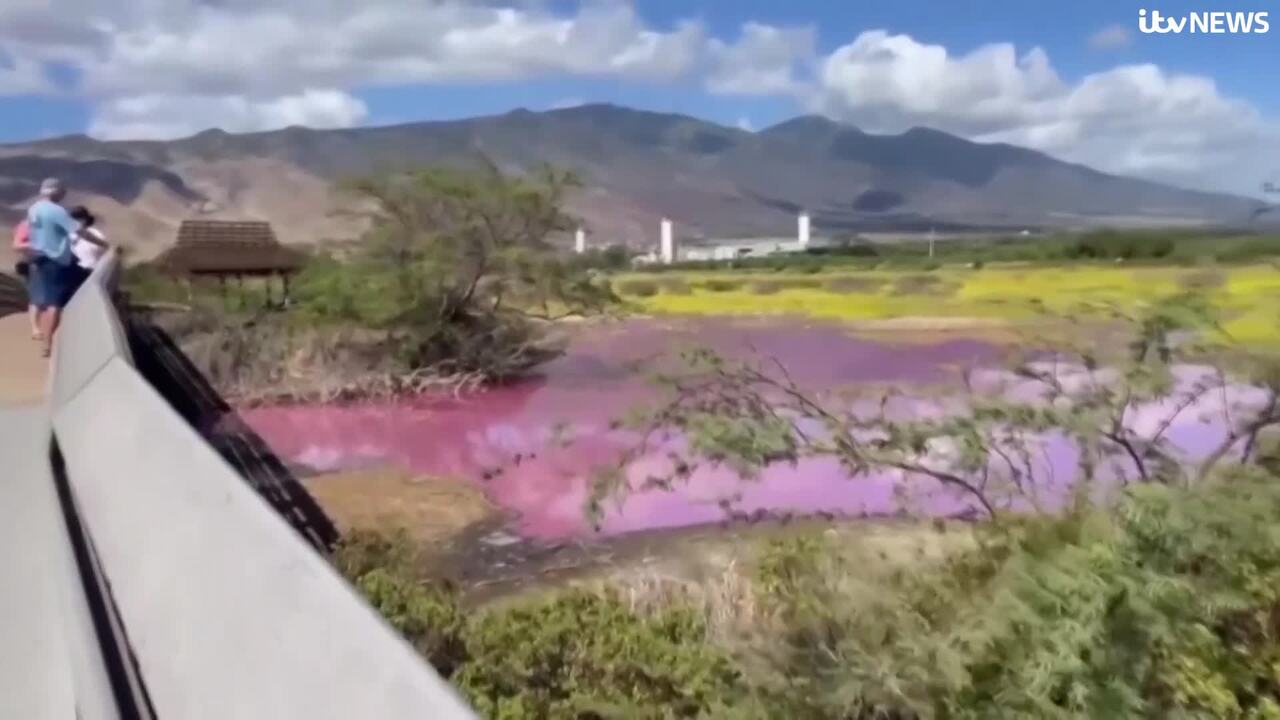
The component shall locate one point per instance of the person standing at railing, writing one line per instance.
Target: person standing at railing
(53, 271)
(22, 247)
(88, 247)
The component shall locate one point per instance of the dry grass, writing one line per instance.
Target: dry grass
(715, 573)
(674, 285)
(430, 510)
(849, 284)
(921, 285)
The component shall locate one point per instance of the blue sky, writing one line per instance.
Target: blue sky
(1075, 79)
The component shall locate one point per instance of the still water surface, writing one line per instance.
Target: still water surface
(503, 438)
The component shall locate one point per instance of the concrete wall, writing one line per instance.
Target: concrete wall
(50, 664)
(229, 613)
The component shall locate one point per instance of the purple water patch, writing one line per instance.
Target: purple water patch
(508, 438)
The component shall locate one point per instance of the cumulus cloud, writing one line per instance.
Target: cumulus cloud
(765, 60)
(252, 57)
(282, 46)
(174, 116)
(1111, 37)
(1135, 119)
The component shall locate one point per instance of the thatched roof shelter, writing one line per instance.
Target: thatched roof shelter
(229, 249)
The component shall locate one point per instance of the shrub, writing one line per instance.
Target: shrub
(1248, 248)
(1122, 245)
(855, 284)
(638, 288)
(573, 655)
(769, 287)
(675, 286)
(1203, 280)
(722, 285)
(766, 287)
(919, 285)
(382, 568)
(584, 655)
(1164, 606)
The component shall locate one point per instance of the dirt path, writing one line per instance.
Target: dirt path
(22, 370)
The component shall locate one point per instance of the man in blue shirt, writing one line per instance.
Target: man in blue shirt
(52, 263)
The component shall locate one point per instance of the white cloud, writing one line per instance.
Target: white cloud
(764, 61)
(277, 47)
(744, 123)
(174, 116)
(1135, 119)
(1111, 37)
(253, 57)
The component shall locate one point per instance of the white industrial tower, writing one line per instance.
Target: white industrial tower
(667, 247)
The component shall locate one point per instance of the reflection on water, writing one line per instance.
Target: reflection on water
(505, 437)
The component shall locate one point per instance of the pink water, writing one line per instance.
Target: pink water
(505, 438)
(502, 438)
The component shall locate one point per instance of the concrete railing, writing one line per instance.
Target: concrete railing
(225, 612)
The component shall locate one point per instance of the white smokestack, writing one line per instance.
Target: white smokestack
(668, 245)
(580, 241)
(803, 230)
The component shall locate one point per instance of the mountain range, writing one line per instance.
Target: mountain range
(637, 167)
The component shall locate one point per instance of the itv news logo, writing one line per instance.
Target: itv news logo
(1208, 23)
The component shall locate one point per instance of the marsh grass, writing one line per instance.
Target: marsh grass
(771, 286)
(675, 285)
(722, 285)
(641, 288)
(922, 285)
(851, 284)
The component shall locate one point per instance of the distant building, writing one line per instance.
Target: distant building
(718, 249)
(737, 248)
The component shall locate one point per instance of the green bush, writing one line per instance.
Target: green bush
(383, 569)
(675, 286)
(1202, 280)
(1122, 245)
(584, 655)
(772, 286)
(574, 655)
(919, 285)
(1166, 606)
(848, 284)
(722, 285)
(638, 288)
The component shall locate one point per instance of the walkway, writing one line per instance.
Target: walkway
(22, 370)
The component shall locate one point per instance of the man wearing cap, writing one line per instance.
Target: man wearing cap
(52, 231)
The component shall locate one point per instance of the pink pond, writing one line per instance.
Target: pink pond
(504, 437)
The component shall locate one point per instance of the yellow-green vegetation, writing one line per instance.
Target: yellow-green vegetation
(1246, 298)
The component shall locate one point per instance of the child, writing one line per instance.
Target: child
(22, 246)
